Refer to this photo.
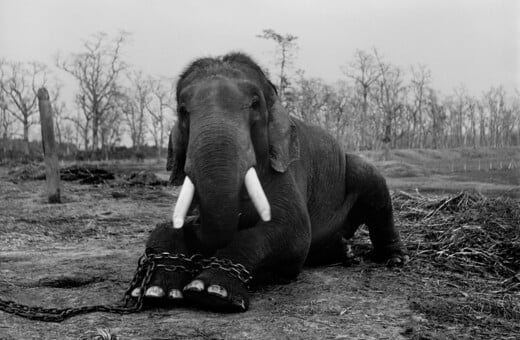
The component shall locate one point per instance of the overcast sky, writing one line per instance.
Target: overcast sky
(475, 42)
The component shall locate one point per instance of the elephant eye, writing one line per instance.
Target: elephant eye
(182, 110)
(255, 102)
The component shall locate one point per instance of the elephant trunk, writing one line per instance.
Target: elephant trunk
(216, 169)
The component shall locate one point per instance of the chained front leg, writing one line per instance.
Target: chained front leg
(175, 258)
(277, 247)
(221, 285)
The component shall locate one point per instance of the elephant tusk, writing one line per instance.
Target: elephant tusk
(257, 194)
(183, 203)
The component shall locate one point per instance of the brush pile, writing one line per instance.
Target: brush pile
(465, 248)
(466, 233)
(86, 174)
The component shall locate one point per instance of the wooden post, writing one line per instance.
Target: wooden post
(52, 169)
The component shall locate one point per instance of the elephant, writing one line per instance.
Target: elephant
(262, 195)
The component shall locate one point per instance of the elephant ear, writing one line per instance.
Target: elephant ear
(284, 146)
(176, 159)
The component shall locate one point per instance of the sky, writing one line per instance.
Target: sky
(470, 42)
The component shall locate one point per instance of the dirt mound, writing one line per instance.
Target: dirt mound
(398, 169)
(31, 171)
(145, 177)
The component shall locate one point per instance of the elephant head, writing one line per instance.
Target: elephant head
(232, 133)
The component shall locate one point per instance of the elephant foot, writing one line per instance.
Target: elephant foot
(167, 281)
(397, 260)
(391, 256)
(216, 289)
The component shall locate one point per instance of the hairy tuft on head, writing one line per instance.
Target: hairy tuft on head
(234, 65)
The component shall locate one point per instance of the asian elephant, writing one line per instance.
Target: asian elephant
(268, 192)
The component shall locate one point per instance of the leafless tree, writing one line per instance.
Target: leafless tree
(111, 127)
(389, 99)
(138, 99)
(364, 71)
(19, 86)
(97, 69)
(160, 105)
(59, 110)
(7, 120)
(339, 112)
(421, 79)
(308, 98)
(82, 120)
(494, 102)
(285, 53)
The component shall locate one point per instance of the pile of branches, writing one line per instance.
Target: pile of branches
(145, 178)
(465, 233)
(86, 174)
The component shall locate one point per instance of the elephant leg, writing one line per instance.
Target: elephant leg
(385, 238)
(279, 246)
(375, 210)
(171, 274)
(373, 207)
(330, 251)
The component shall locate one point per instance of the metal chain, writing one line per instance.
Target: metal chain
(191, 263)
(146, 266)
(143, 273)
(235, 269)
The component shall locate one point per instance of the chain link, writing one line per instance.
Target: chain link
(143, 273)
(235, 269)
(146, 266)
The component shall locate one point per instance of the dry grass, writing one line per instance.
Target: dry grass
(466, 250)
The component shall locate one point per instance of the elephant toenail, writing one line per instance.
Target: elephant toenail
(154, 292)
(217, 290)
(240, 303)
(175, 294)
(195, 285)
(136, 292)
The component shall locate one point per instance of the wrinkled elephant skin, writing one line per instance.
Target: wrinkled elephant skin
(271, 193)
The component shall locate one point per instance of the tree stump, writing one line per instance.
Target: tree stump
(52, 170)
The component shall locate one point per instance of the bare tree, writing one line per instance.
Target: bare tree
(138, 99)
(97, 70)
(161, 103)
(111, 127)
(338, 112)
(286, 49)
(365, 72)
(421, 79)
(19, 87)
(515, 107)
(59, 108)
(494, 102)
(390, 101)
(7, 120)
(308, 98)
(82, 120)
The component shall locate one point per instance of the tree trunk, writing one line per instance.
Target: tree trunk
(26, 137)
(95, 128)
(52, 170)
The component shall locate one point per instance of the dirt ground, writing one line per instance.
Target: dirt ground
(96, 236)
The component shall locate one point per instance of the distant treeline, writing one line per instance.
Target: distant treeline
(381, 106)
(17, 150)
(374, 105)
